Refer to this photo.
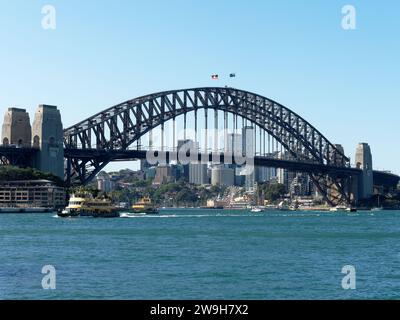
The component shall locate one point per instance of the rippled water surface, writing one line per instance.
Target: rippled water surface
(202, 254)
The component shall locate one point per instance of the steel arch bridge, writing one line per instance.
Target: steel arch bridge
(92, 143)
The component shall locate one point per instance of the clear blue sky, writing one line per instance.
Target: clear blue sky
(346, 83)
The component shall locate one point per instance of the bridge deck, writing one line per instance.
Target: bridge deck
(167, 156)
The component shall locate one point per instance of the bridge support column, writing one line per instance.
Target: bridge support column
(336, 190)
(364, 162)
(16, 128)
(47, 136)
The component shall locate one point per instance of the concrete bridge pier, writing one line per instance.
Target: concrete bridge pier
(47, 136)
(362, 185)
(16, 129)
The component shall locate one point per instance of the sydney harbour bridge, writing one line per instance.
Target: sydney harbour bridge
(117, 134)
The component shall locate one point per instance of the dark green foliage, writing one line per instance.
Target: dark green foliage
(273, 192)
(186, 196)
(12, 173)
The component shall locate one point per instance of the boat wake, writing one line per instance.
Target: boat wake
(164, 216)
(131, 215)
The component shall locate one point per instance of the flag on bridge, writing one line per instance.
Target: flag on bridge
(214, 77)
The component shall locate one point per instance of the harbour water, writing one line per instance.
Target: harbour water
(202, 254)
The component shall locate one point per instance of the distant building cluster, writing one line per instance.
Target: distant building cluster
(246, 176)
(222, 175)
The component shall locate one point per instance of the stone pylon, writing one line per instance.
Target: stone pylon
(47, 136)
(16, 130)
(363, 160)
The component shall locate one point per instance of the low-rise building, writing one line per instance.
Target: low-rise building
(31, 193)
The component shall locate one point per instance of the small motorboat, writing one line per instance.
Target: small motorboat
(256, 210)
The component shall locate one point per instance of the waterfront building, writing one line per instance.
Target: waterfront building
(31, 193)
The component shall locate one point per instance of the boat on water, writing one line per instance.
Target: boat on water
(282, 206)
(256, 210)
(89, 207)
(342, 209)
(144, 205)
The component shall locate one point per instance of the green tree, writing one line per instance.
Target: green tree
(274, 192)
(186, 196)
(10, 173)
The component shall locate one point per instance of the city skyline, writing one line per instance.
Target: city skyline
(296, 54)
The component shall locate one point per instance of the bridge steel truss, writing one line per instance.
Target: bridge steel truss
(117, 128)
(22, 157)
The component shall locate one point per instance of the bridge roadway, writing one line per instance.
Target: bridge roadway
(24, 157)
(380, 177)
(17, 156)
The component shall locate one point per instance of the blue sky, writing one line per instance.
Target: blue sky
(345, 83)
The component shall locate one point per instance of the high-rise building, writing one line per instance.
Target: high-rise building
(284, 176)
(234, 147)
(198, 173)
(222, 175)
(163, 175)
(234, 144)
(300, 185)
(144, 165)
(248, 149)
(265, 174)
(248, 141)
(184, 147)
(150, 173)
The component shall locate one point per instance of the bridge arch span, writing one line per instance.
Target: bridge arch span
(118, 127)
